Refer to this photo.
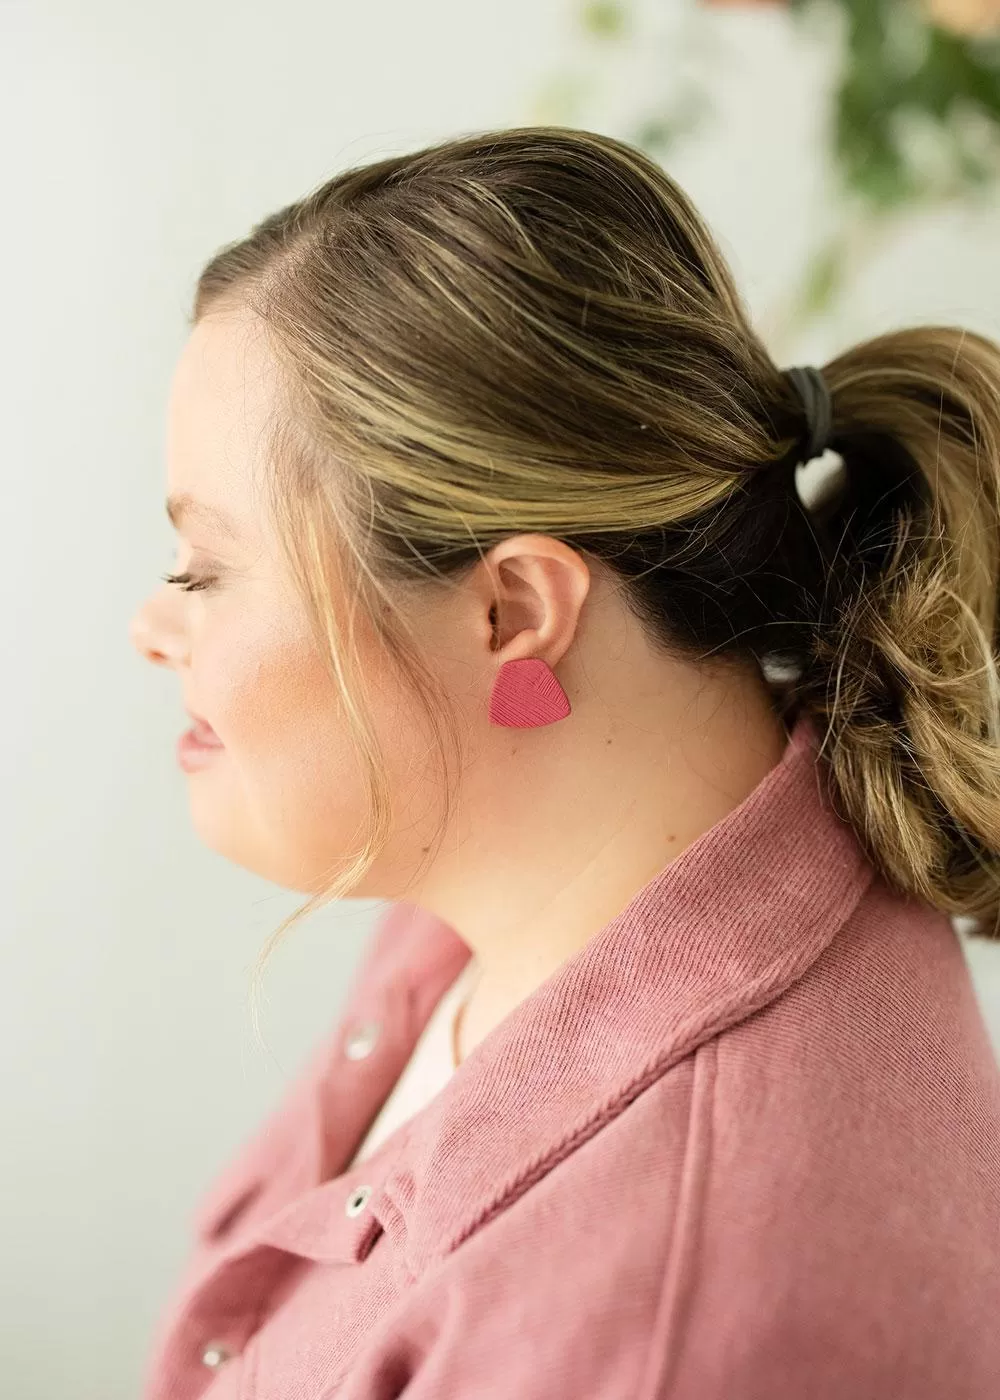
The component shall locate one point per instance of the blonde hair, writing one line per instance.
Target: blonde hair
(532, 329)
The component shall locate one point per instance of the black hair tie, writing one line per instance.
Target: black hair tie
(815, 396)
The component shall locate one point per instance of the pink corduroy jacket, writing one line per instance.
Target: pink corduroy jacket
(744, 1145)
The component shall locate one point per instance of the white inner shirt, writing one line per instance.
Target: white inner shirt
(430, 1066)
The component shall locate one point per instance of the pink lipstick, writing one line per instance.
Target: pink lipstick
(198, 745)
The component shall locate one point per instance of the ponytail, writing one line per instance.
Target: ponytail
(903, 672)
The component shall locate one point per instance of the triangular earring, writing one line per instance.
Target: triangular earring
(527, 693)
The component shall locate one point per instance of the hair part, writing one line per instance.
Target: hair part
(532, 329)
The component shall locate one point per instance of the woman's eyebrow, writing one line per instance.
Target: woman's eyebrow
(183, 505)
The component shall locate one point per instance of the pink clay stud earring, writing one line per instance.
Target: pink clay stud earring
(527, 693)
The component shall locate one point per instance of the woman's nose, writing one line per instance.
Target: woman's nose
(152, 637)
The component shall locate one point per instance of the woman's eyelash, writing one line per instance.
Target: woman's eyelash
(187, 581)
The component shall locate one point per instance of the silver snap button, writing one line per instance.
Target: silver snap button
(215, 1354)
(357, 1200)
(361, 1042)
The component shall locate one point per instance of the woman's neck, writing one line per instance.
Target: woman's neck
(530, 893)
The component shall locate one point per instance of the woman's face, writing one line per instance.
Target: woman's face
(282, 794)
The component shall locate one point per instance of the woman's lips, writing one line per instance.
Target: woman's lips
(204, 732)
(198, 745)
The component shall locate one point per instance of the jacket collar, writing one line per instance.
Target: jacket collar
(721, 931)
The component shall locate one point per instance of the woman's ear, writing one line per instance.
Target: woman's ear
(540, 586)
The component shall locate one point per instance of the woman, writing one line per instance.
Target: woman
(501, 603)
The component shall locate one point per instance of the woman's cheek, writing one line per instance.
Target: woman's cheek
(281, 714)
(250, 680)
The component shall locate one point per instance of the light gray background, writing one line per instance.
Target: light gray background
(138, 139)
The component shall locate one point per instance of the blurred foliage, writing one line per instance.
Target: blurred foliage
(904, 75)
(915, 118)
(605, 17)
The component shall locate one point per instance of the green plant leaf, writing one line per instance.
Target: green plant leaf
(605, 19)
(822, 279)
